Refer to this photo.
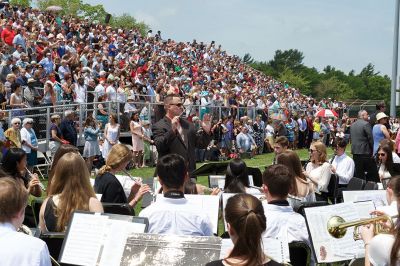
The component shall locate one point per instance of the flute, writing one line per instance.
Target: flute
(31, 175)
(136, 179)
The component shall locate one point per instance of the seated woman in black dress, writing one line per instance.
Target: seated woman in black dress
(246, 221)
(70, 191)
(108, 185)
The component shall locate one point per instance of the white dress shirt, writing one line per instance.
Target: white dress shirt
(284, 223)
(344, 166)
(379, 249)
(20, 249)
(176, 217)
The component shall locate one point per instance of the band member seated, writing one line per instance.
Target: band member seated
(383, 249)
(281, 145)
(342, 165)
(318, 170)
(17, 248)
(386, 167)
(107, 184)
(172, 213)
(282, 221)
(246, 222)
(301, 187)
(391, 208)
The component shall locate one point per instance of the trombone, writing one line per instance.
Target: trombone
(337, 226)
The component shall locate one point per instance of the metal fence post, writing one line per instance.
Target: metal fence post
(80, 125)
(47, 126)
(149, 113)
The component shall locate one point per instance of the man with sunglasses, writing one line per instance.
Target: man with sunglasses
(174, 134)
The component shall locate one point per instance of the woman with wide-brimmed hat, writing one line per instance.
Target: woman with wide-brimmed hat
(379, 131)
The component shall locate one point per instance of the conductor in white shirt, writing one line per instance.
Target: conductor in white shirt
(172, 214)
(282, 221)
(17, 248)
(342, 165)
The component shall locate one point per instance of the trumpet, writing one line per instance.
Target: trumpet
(337, 226)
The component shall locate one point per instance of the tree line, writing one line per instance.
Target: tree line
(287, 66)
(94, 13)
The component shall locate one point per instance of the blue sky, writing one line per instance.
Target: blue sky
(347, 34)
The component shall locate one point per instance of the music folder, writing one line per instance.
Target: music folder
(98, 239)
(328, 249)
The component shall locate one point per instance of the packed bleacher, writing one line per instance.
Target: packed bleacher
(71, 93)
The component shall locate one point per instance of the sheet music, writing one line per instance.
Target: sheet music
(377, 196)
(84, 239)
(126, 183)
(115, 240)
(327, 248)
(95, 239)
(276, 249)
(226, 196)
(219, 181)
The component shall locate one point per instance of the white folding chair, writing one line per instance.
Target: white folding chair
(49, 157)
(46, 165)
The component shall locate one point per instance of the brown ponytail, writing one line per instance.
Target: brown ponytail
(245, 214)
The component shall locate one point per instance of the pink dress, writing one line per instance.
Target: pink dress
(137, 141)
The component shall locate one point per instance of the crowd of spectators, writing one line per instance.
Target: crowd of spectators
(49, 60)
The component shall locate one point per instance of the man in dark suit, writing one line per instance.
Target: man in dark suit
(362, 144)
(68, 129)
(173, 134)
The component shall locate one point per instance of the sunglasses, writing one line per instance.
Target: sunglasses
(381, 154)
(177, 104)
(17, 123)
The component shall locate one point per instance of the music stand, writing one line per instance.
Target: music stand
(218, 168)
(211, 168)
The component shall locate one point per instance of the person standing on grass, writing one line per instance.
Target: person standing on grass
(91, 134)
(174, 134)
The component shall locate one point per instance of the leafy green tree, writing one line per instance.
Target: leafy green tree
(368, 71)
(295, 80)
(126, 21)
(334, 88)
(95, 13)
(69, 7)
(247, 59)
(23, 3)
(291, 59)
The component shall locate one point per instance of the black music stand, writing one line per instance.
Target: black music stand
(211, 168)
(217, 168)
